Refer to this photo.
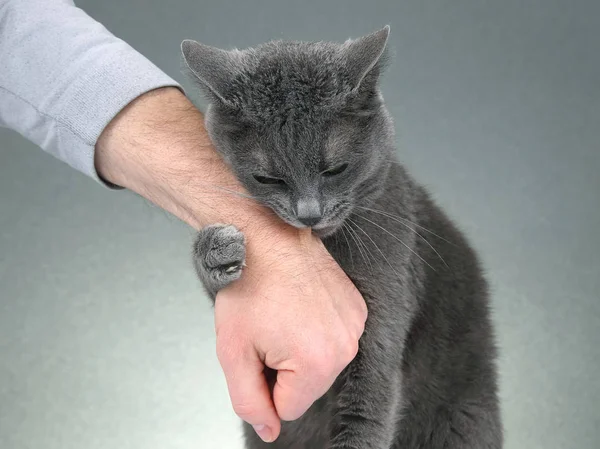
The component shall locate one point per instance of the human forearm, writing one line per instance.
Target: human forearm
(64, 76)
(158, 147)
(293, 308)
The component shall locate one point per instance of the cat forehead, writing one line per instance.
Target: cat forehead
(303, 148)
(290, 79)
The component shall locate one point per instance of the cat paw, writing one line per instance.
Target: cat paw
(219, 255)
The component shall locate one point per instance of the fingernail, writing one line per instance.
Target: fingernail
(264, 433)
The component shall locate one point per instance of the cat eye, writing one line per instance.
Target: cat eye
(336, 171)
(268, 180)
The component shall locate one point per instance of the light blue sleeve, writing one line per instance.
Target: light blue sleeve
(63, 77)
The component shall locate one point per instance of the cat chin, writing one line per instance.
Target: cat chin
(320, 232)
(325, 231)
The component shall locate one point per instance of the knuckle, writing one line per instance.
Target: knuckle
(313, 358)
(362, 321)
(324, 358)
(323, 363)
(350, 350)
(296, 351)
(245, 410)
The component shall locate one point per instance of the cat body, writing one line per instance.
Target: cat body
(304, 127)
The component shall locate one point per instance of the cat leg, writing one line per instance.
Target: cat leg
(468, 427)
(367, 399)
(471, 424)
(219, 255)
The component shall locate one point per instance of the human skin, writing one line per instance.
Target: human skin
(293, 310)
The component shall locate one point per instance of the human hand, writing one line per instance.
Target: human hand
(295, 311)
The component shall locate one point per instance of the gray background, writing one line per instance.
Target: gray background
(106, 340)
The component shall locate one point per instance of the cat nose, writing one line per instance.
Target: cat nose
(310, 221)
(308, 211)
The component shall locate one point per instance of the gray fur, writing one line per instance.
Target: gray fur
(219, 255)
(425, 374)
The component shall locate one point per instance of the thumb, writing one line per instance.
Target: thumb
(293, 393)
(250, 395)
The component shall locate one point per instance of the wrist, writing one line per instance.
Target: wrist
(158, 147)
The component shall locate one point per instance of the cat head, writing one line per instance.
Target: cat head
(302, 125)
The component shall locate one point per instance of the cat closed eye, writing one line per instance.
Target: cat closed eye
(269, 180)
(336, 171)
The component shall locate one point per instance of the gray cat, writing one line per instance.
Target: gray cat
(305, 129)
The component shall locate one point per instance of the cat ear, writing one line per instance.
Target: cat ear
(363, 54)
(213, 67)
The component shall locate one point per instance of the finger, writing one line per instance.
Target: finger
(293, 393)
(250, 395)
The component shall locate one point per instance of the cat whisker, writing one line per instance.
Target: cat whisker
(243, 195)
(385, 214)
(256, 203)
(376, 246)
(399, 240)
(352, 234)
(366, 248)
(232, 192)
(397, 217)
(431, 246)
(348, 242)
